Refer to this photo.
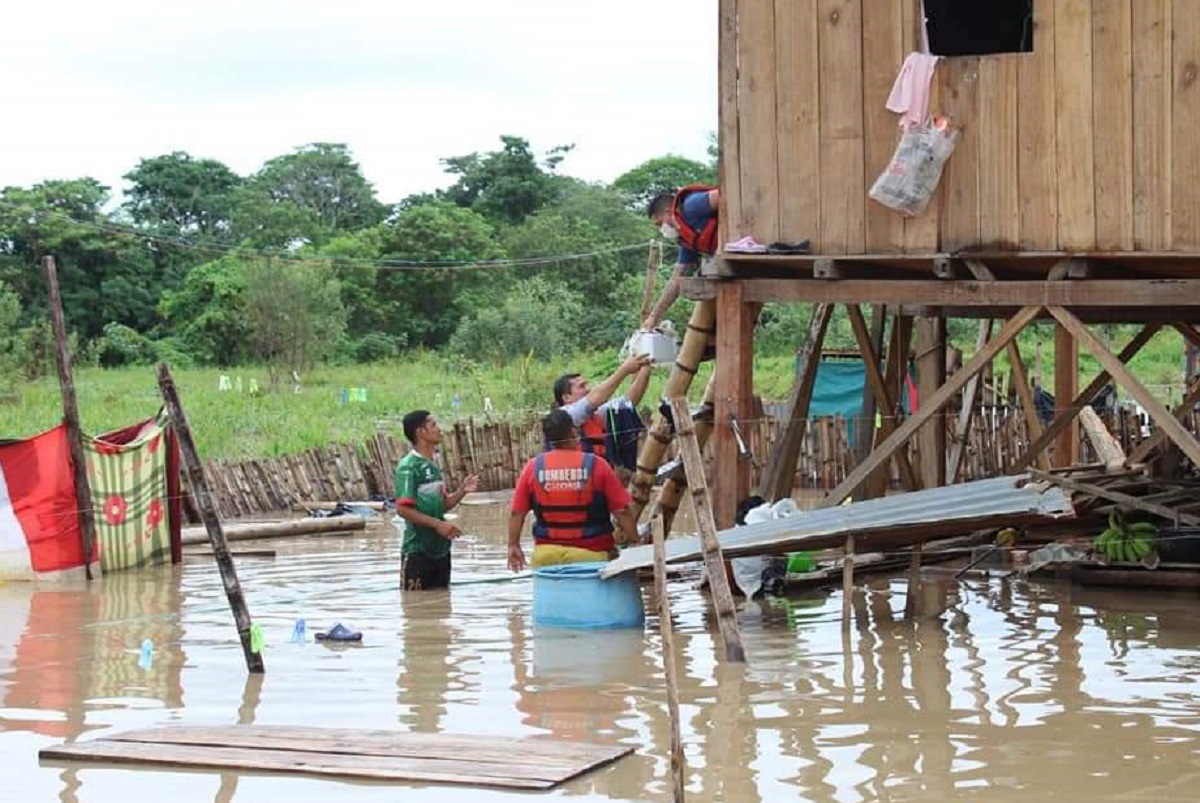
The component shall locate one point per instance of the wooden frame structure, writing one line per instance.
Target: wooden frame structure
(1073, 196)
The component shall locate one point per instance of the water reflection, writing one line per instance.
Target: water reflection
(1017, 690)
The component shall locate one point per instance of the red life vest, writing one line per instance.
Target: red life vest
(703, 241)
(569, 510)
(591, 435)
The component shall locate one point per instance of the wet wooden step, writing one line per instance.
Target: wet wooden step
(362, 754)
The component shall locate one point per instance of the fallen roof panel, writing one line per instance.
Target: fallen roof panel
(891, 522)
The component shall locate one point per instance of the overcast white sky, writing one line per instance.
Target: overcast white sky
(87, 87)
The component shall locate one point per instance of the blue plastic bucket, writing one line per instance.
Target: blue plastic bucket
(573, 596)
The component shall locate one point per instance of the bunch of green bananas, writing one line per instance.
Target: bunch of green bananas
(1125, 542)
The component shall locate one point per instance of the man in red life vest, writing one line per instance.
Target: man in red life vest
(589, 407)
(574, 497)
(689, 217)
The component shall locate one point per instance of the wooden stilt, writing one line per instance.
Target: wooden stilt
(1066, 385)
(714, 562)
(1161, 416)
(670, 670)
(914, 581)
(212, 522)
(931, 375)
(848, 581)
(66, 383)
(778, 478)
(734, 378)
(864, 432)
(894, 379)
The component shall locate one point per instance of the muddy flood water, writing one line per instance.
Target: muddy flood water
(1019, 692)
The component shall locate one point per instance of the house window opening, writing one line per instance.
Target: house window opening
(979, 27)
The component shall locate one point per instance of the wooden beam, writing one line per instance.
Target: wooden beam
(85, 507)
(198, 485)
(1161, 416)
(930, 406)
(1116, 496)
(1108, 450)
(670, 667)
(1176, 293)
(1143, 449)
(778, 478)
(931, 375)
(1020, 380)
(714, 562)
(962, 427)
(848, 580)
(864, 434)
(1066, 387)
(1189, 333)
(879, 390)
(1085, 397)
(732, 399)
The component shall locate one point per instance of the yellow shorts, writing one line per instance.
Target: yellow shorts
(551, 555)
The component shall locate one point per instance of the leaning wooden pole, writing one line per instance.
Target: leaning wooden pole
(699, 330)
(714, 561)
(208, 514)
(667, 629)
(66, 384)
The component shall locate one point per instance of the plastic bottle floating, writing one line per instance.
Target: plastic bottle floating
(146, 657)
(256, 639)
(298, 635)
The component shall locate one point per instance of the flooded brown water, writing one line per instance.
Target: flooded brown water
(1018, 692)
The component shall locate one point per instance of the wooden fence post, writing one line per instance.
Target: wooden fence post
(66, 384)
(212, 522)
(667, 629)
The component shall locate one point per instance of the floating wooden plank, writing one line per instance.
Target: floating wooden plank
(277, 529)
(1037, 165)
(363, 754)
(1152, 69)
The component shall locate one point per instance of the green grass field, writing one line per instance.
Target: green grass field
(229, 424)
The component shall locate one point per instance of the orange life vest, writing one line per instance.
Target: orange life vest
(703, 241)
(591, 435)
(569, 510)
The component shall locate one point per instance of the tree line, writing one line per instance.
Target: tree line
(301, 262)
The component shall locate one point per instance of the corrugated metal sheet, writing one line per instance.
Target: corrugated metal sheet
(894, 521)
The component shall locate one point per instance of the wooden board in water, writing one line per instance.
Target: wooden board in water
(360, 754)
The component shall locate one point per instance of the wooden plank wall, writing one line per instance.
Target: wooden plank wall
(1089, 143)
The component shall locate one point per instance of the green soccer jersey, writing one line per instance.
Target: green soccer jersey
(419, 482)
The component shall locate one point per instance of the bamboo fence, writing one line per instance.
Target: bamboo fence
(498, 450)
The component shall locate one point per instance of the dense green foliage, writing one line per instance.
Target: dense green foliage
(301, 267)
(301, 263)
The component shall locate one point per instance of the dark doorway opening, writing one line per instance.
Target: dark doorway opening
(979, 27)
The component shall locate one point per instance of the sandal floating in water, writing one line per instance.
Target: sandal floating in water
(339, 632)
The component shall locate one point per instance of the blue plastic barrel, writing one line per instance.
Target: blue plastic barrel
(573, 596)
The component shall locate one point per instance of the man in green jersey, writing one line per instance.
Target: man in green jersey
(422, 501)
